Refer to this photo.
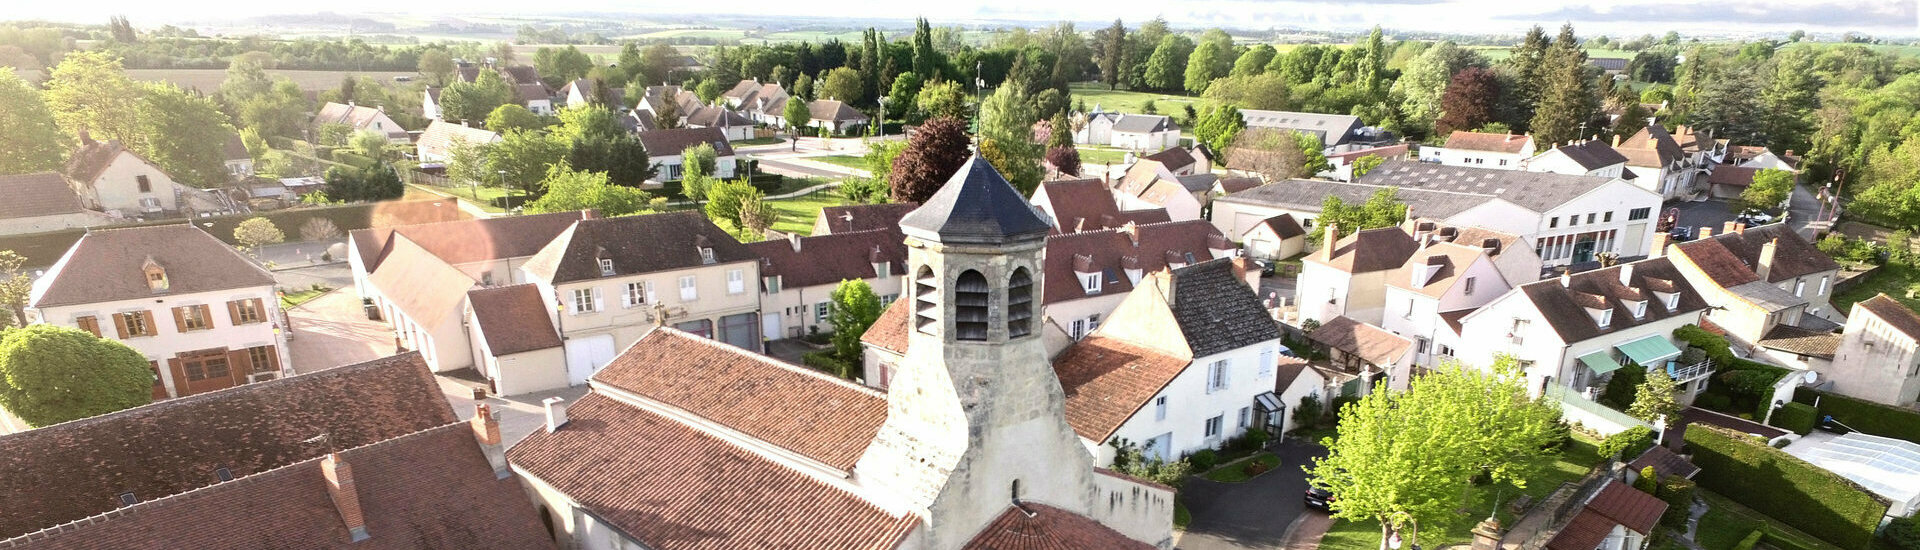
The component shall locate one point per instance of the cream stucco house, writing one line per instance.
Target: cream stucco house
(204, 316)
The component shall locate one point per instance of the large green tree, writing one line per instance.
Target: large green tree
(845, 85)
(1788, 102)
(570, 190)
(1201, 66)
(1656, 398)
(1111, 47)
(51, 374)
(1218, 127)
(1527, 64)
(1567, 97)
(1769, 189)
(1166, 69)
(1382, 209)
(90, 92)
(1254, 61)
(1424, 83)
(16, 287)
(1470, 102)
(473, 101)
(185, 134)
(524, 157)
(437, 65)
(853, 308)
(1006, 132)
(1407, 457)
(30, 141)
(513, 117)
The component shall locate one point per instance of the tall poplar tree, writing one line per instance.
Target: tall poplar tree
(1567, 98)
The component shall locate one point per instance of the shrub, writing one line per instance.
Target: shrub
(1203, 459)
(1627, 444)
(1648, 482)
(1255, 467)
(1678, 493)
(353, 159)
(1795, 417)
(1342, 402)
(1865, 416)
(1713, 401)
(825, 361)
(1902, 534)
(1252, 440)
(1777, 484)
(1307, 413)
(1751, 540)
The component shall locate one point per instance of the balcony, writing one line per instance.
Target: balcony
(1688, 373)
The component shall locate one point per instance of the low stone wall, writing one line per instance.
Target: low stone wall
(1141, 511)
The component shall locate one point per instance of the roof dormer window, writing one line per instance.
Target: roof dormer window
(1639, 309)
(156, 275)
(1602, 317)
(606, 266)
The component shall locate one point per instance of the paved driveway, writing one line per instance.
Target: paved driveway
(1252, 514)
(332, 330)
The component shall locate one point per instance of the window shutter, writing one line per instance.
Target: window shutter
(233, 312)
(147, 316)
(238, 365)
(273, 356)
(206, 315)
(179, 319)
(179, 373)
(120, 325)
(596, 299)
(89, 323)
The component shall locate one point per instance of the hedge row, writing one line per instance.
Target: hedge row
(1795, 417)
(1720, 396)
(356, 160)
(42, 249)
(1777, 484)
(1861, 415)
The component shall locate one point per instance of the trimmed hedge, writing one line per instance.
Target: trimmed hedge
(1753, 539)
(1795, 417)
(1732, 402)
(1865, 416)
(42, 249)
(353, 159)
(1777, 484)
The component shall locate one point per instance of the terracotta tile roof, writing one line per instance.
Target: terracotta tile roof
(1585, 532)
(174, 446)
(35, 195)
(1495, 143)
(440, 137)
(1087, 205)
(1653, 138)
(831, 258)
(1236, 185)
(420, 285)
(513, 319)
(1367, 251)
(404, 486)
(470, 241)
(1801, 341)
(1107, 380)
(92, 158)
(716, 117)
(1451, 261)
(1113, 251)
(672, 142)
(1737, 176)
(1893, 313)
(889, 332)
(1284, 226)
(1174, 158)
(106, 265)
(1628, 506)
(1729, 264)
(636, 244)
(1664, 462)
(863, 217)
(1370, 343)
(823, 418)
(1452, 318)
(1571, 321)
(521, 74)
(1042, 527)
(678, 488)
(744, 87)
(1289, 370)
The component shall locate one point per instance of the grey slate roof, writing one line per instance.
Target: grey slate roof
(636, 244)
(1331, 129)
(1592, 154)
(1137, 124)
(670, 142)
(1216, 311)
(1536, 191)
(977, 206)
(107, 265)
(1307, 196)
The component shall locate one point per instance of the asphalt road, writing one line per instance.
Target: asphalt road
(1254, 513)
(1714, 213)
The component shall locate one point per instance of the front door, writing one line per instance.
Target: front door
(770, 324)
(203, 371)
(1583, 251)
(1159, 448)
(586, 355)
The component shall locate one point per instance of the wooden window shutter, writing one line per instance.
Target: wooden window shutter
(239, 365)
(233, 312)
(89, 323)
(151, 330)
(120, 325)
(273, 355)
(179, 372)
(179, 319)
(206, 315)
(260, 310)
(159, 384)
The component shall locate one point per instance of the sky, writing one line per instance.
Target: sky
(1890, 18)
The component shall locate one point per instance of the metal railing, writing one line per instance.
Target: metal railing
(1689, 373)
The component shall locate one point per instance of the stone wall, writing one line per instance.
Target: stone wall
(1138, 510)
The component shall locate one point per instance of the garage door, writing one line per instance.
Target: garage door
(586, 355)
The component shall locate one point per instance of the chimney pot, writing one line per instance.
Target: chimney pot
(1332, 239)
(1616, 140)
(346, 497)
(556, 413)
(1566, 277)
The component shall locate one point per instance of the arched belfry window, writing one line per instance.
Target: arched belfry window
(926, 316)
(970, 296)
(1019, 304)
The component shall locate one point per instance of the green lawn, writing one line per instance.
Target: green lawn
(1100, 156)
(1726, 522)
(1235, 471)
(1569, 465)
(797, 214)
(297, 297)
(1892, 279)
(850, 161)
(1127, 101)
(1181, 517)
(758, 141)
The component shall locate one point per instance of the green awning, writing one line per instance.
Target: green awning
(1600, 362)
(1652, 351)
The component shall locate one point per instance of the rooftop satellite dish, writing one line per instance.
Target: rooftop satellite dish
(1811, 377)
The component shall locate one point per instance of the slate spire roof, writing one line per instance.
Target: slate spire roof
(976, 206)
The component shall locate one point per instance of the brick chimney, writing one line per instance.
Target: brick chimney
(86, 138)
(346, 498)
(1246, 272)
(486, 430)
(1764, 266)
(1726, 228)
(1740, 228)
(1131, 231)
(1616, 140)
(1705, 231)
(1327, 244)
(556, 413)
(1659, 245)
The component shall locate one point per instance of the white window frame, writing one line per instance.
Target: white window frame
(1077, 329)
(1160, 408)
(606, 266)
(585, 300)
(820, 312)
(1093, 322)
(1213, 425)
(639, 293)
(1823, 286)
(1799, 287)
(736, 281)
(689, 288)
(1090, 282)
(1640, 309)
(1219, 376)
(1468, 288)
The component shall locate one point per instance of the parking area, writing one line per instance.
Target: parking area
(1257, 513)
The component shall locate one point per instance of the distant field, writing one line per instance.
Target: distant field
(1497, 53)
(718, 34)
(208, 80)
(1127, 101)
